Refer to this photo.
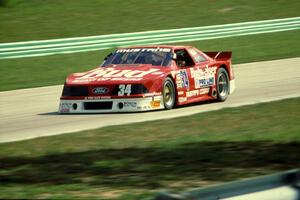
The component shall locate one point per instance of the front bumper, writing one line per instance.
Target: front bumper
(111, 105)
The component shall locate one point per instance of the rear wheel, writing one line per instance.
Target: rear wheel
(169, 93)
(222, 84)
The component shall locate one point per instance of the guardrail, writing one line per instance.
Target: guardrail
(281, 186)
(92, 43)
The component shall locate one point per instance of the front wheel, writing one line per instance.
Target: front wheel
(222, 84)
(169, 93)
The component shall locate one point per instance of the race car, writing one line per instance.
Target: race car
(142, 78)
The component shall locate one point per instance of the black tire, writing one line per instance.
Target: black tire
(222, 85)
(169, 94)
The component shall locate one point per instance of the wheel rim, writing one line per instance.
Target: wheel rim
(168, 94)
(222, 85)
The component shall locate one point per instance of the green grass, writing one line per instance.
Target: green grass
(136, 160)
(31, 20)
(51, 70)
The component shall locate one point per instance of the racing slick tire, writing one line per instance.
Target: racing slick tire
(169, 93)
(222, 85)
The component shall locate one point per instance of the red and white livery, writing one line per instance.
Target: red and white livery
(145, 78)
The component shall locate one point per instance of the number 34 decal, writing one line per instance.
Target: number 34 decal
(124, 90)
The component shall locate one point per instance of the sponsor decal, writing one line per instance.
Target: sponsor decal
(65, 107)
(205, 82)
(152, 94)
(198, 92)
(180, 93)
(193, 52)
(144, 50)
(182, 80)
(156, 98)
(192, 93)
(197, 57)
(100, 90)
(130, 104)
(146, 107)
(95, 98)
(155, 104)
(182, 99)
(204, 77)
(204, 91)
(110, 73)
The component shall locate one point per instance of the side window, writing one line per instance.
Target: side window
(183, 58)
(196, 55)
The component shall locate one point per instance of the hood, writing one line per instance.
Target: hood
(117, 74)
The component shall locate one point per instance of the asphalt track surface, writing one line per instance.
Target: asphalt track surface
(31, 113)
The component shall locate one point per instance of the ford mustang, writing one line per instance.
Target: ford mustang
(142, 78)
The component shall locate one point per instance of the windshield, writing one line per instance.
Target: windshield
(153, 56)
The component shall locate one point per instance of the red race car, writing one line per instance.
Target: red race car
(145, 78)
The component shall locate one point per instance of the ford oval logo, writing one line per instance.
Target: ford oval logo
(100, 90)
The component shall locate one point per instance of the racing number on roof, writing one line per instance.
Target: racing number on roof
(124, 90)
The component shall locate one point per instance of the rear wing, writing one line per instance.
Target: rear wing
(219, 55)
